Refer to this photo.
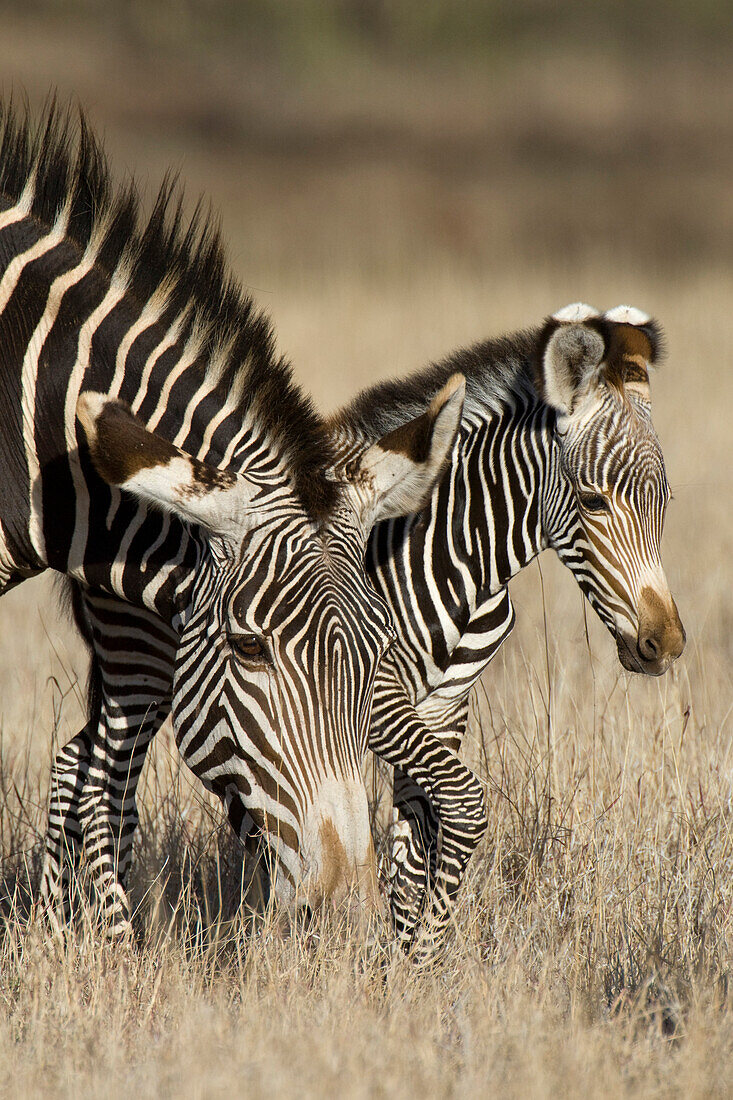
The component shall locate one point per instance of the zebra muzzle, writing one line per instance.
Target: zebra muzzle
(338, 853)
(660, 637)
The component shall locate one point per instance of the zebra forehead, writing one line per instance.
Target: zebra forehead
(632, 441)
(627, 472)
(340, 628)
(618, 438)
(322, 584)
(617, 414)
(304, 549)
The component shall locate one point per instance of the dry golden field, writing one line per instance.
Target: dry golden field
(385, 213)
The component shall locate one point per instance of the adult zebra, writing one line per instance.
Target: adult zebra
(240, 554)
(556, 449)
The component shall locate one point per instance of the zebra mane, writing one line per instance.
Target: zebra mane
(59, 161)
(502, 371)
(496, 372)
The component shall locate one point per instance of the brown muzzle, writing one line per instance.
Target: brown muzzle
(338, 850)
(660, 636)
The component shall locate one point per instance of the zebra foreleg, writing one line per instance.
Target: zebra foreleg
(413, 855)
(451, 848)
(93, 807)
(85, 815)
(108, 810)
(416, 835)
(450, 792)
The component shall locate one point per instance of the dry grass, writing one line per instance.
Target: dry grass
(593, 939)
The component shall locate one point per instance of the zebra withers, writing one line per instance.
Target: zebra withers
(130, 360)
(556, 449)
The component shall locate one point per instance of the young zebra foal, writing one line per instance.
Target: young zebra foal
(556, 449)
(130, 360)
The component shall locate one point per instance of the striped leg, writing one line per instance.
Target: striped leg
(95, 777)
(63, 835)
(439, 803)
(421, 867)
(107, 808)
(448, 791)
(414, 853)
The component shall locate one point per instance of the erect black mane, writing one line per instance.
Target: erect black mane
(184, 255)
(495, 370)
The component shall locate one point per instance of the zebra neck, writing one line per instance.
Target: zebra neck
(439, 570)
(72, 327)
(504, 468)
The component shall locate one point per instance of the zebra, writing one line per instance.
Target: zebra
(556, 449)
(156, 452)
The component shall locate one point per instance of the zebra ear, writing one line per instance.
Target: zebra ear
(401, 470)
(125, 454)
(570, 354)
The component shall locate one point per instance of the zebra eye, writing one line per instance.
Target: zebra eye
(593, 502)
(248, 646)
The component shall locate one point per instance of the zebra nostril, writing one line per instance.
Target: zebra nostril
(649, 648)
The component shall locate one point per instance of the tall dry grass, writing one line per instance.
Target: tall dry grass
(385, 220)
(592, 941)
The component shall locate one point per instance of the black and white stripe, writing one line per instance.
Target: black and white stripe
(556, 448)
(522, 477)
(226, 580)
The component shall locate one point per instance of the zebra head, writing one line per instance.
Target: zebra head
(281, 634)
(607, 510)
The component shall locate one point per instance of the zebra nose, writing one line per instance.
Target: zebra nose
(342, 876)
(338, 848)
(661, 636)
(678, 639)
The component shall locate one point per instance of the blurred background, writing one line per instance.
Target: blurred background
(396, 179)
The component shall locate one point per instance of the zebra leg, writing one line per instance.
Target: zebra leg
(69, 772)
(107, 808)
(415, 869)
(450, 791)
(445, 711)
(414, 852)
(93, 796)
(63, 835)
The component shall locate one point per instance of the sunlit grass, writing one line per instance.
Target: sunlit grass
(590, 950)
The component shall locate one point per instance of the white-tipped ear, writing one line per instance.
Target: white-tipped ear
(570, 364)
(627, 315)
(397, 475)
(125, 454)
(575, 313)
